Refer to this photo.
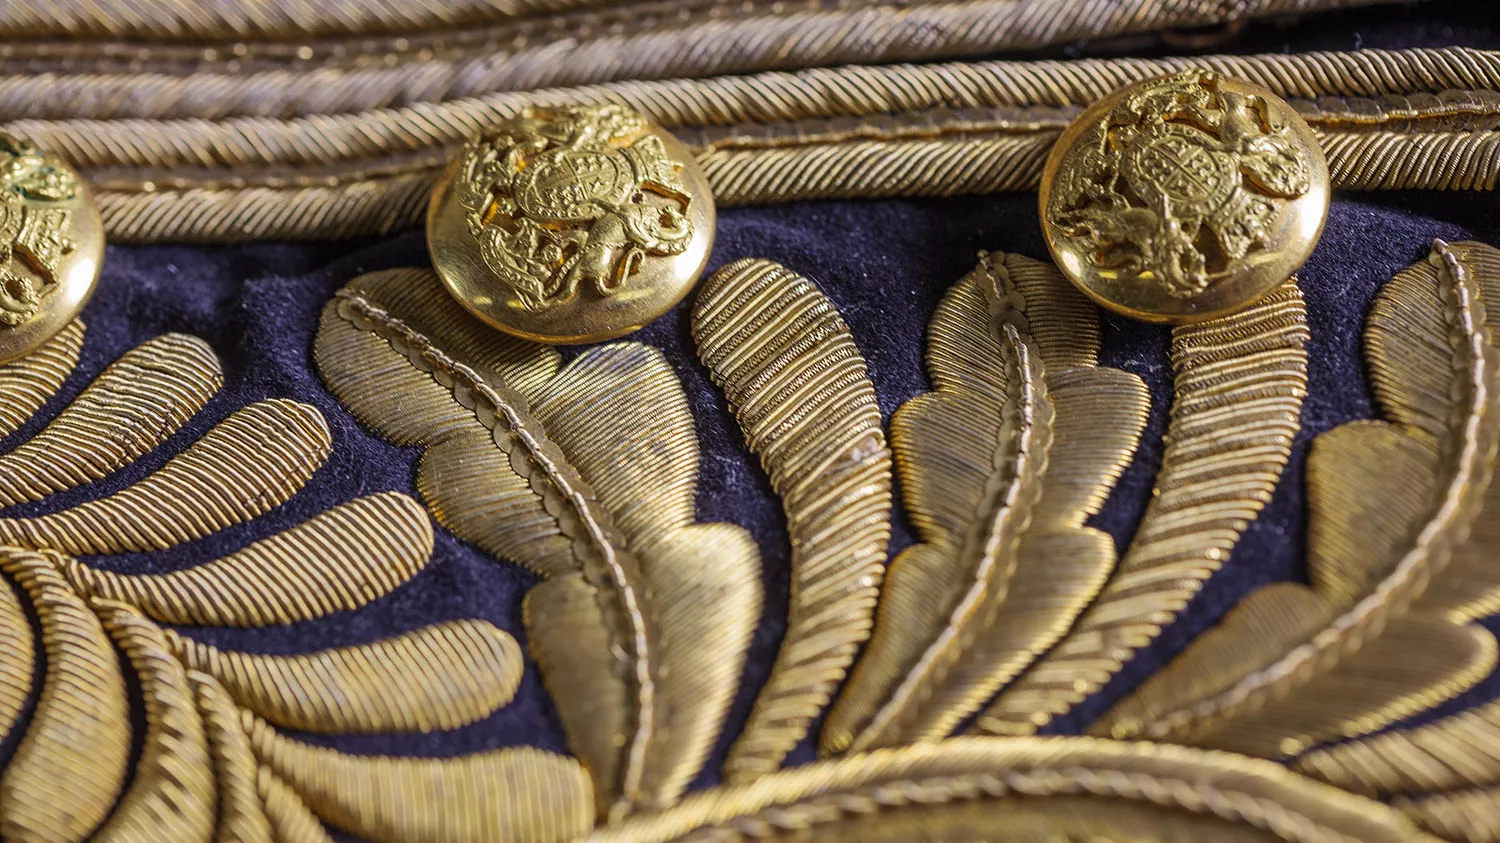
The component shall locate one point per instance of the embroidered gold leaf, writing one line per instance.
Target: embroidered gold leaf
(438, 677)
(132, 407)
(1388, 500)
(241, 812)
(1457, 751)
(586, 475)
(171, 796)
(341, 559)
(1464, 816)
(508, 794)
(28, 383)
(798, 386)
(1000, 468)
(17, 658)
(248, 464)
(1055, 788)
(1240, 381)
(70, 765)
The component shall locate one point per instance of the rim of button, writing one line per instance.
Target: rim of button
(571, 224)
(1184, 197)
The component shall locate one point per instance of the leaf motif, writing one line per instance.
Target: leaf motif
(131, 408)
(1466, 816)
(1240, 381)
(28, 383)
(438, 677)
(17, 659)
(1053, 788)
(171, 795)
(69, 767)
(250, 463)
(1458, 751)
(1000, 467)
(292, 821)
(798, 386)
(391, 800)
(1419, 481)
(587, 476)
(338, 560)
(242, 814)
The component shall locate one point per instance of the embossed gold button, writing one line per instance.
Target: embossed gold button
(51, 246)
(1184, 197)
(572, 224)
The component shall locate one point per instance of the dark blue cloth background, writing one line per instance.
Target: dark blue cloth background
(884, 263)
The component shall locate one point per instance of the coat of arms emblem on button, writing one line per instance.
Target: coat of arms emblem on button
(571, 224)
(51, 246)
(1184, 197)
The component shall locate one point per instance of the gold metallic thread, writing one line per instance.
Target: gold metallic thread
(1259, 800)
(132, 407)
(344, 174)
(799, 388)
(338, 560)
(585, 474)
(204, 771)
(171, 795)
(1239, 381)
(248, 464)
(1384, 661)
(387, 799)
(1000, 467)
(273, 58)
(438, 677)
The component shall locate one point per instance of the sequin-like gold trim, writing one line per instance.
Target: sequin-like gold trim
(377, 53)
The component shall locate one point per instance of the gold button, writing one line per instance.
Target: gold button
(51, 246)
(1184, 197)
(573, 224)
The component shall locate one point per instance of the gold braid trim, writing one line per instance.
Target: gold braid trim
(518, 44)
(1390, 120)
(944, 166)
(386, 134)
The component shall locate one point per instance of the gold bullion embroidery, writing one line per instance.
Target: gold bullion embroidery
(644, 616)
(213, 762)
(1386, 120)
(990, 467)
(1215, 478)
(1034, 789)
(798, 386)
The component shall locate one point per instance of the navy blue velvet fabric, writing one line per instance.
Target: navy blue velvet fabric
(885, 263)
